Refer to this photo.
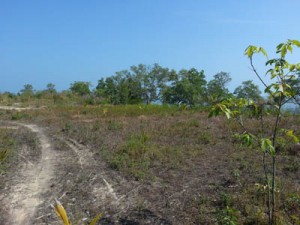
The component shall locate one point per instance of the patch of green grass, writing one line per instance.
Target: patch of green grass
(20, 115)
(204, 209)
(206, 138)
(68, 126)
(114, 125)
(292, 207)
(134, 156)
(227, 213)
(139, 155)
(292, 166)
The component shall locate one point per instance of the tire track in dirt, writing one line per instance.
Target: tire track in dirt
(103, 189)
(29, 194)
(30, 182)
(85, 158)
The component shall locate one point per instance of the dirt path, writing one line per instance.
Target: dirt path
(29, 183)
(68, 171)
(17, 108)
(85, 159)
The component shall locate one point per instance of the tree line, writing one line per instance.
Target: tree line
(153, 84)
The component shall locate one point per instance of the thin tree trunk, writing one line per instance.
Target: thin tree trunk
(265, 168)
(268, 189)
(273, 202)
(273, 189)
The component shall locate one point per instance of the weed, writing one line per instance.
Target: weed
(225, 199)
(114, 125)
(134, 157)
(96, 127)
(227, 214)
(293, 166)
(291, 207)
(7, 146)
(237, 175)
(20, 115)
(205, 138)
(67, 127)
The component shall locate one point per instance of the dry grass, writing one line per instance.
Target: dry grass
(190, 167)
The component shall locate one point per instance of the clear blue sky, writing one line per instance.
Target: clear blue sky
(56, 41)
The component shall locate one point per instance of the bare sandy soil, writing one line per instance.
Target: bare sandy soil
(30, 182)
(32, 187)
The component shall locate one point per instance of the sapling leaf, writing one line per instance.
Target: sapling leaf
(215, 111)
(296, 42)
(268, 89)
(263, 51)
(292, 67)
(227, 113)
(283, 52)
(249, 51)
(266, 146)
(290, 133)
(247, 139)
(290, 48)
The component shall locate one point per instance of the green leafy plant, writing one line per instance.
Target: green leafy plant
(282, 89)
(19, 116)
(227, 214)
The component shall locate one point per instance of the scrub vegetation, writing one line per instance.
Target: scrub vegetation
(141, 148)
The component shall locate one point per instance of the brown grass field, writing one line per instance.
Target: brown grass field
(138, 165)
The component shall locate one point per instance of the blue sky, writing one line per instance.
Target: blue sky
(65, 41)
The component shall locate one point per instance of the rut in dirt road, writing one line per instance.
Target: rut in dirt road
(85, 158)
(30, 182)
(66, 173)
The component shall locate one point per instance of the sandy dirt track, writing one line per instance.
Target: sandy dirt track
(66, 174)
(31, 182)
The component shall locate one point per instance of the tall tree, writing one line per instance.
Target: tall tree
(27, 90)
(187, 87)
(248, 90)
(51, 88)
(122, 88)
(217, 87)
(80, 88)
(152, 79)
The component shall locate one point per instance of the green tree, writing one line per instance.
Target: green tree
(122, 88)
(80, 88)
(217, 87)
(280, 91)
(248, 90)
(152, 80)
(27, 90)
(111, 91)
(187, 87)
(134, 89)
(51, 88)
